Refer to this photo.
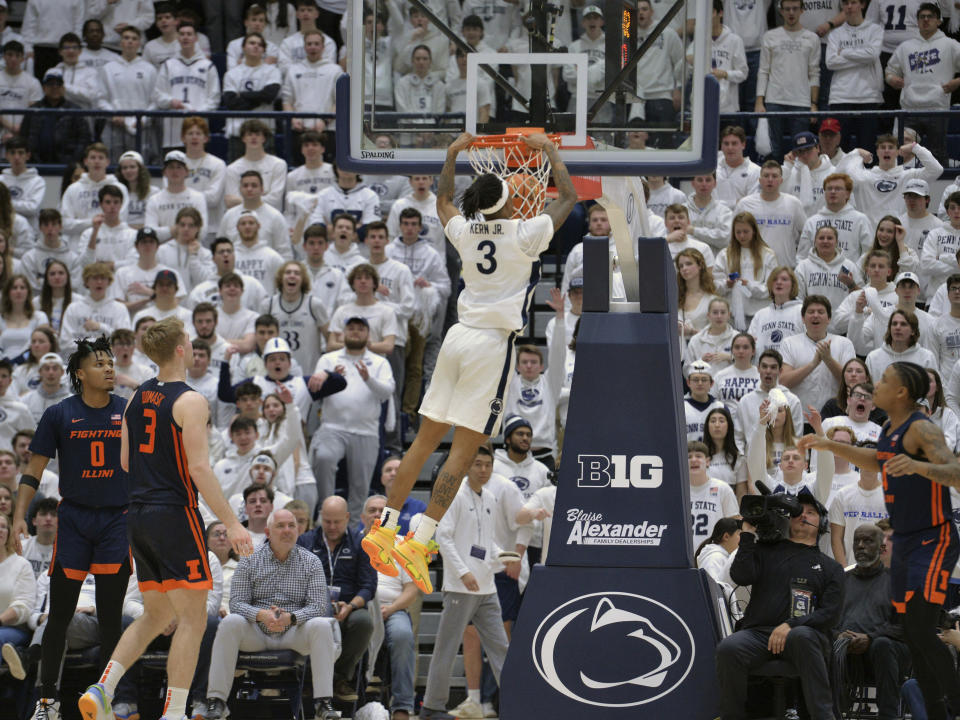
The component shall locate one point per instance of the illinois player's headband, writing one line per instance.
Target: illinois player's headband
(504, 196)
(264, 460)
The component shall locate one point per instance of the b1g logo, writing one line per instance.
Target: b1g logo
(613, 649)
(597, 471)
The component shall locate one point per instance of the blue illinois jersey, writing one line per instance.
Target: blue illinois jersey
(87, 442)
(158, 463)
(914, 503)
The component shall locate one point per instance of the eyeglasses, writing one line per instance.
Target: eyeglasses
(927, 16)
(219, 534)
(857, 395)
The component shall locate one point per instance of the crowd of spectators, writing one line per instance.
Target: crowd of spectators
(317, 298)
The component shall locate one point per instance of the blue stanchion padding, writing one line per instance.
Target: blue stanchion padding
(607, 644)
(623, 497)
(618, 624)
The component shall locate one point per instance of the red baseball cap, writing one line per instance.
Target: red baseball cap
(830, 125)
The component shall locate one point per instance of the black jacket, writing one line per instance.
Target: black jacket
(56, 139)
(785, 575)
(352, 571)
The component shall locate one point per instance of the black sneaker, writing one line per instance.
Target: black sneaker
(344, 690)
(430, 714)
(324, 710)
(216, 709)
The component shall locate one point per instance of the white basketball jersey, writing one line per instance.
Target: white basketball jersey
(299, 326)
(501, 268)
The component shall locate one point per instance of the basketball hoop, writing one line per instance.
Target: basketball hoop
(526, 170)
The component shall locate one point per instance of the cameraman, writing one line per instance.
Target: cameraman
(795, 602)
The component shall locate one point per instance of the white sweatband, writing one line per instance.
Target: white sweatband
(504, 196)
(264, 460)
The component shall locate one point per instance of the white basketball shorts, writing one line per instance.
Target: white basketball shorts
(469, 384)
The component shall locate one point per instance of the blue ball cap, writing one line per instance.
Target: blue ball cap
(804, 140)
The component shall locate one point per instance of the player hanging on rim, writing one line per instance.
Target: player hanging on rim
(501, 267)
(164, 448)
(918, 470)
(83, 431)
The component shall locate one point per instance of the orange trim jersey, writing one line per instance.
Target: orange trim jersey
(914, 503)
(87, 442)
(158, 463)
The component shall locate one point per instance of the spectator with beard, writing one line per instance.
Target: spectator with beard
(351, 419)
(515, 462)
(868, 631)
(854, 506)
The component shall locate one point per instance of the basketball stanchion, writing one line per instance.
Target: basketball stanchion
(618, 623)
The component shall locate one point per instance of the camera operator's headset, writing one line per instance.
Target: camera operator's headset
(805, 496)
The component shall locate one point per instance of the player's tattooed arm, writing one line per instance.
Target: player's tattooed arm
(445, 184)
(560, 208)
(941, 466)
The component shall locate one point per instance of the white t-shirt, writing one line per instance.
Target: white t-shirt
(708, 503)
(820, 385)
(852, 507)
(731, 384)
(381, 317)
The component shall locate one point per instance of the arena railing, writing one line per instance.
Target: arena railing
(445, 123)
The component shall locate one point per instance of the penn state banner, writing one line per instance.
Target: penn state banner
(619, 624)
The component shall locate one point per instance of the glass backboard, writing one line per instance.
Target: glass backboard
(637, 98)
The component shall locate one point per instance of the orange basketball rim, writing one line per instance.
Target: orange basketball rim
(526, 169)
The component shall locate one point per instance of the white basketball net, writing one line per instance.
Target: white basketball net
(527, 171)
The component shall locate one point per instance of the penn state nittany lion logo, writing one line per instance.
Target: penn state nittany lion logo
(530, 397)
(496, 406)
(522, 483)
(886, 186)
(613, 649)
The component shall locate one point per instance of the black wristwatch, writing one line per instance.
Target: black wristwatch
(293, 619)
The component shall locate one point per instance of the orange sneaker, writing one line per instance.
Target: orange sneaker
(414, 557)
(378, 544)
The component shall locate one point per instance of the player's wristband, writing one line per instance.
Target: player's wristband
(30, 481)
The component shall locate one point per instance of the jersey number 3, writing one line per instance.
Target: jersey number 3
(489, 264)
(150, 429)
